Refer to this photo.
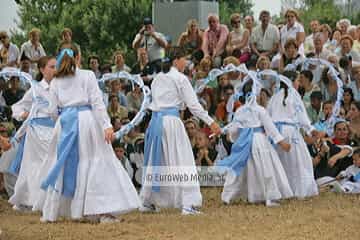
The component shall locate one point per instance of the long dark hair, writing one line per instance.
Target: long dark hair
(292, 75)
(42, 64)
(172, 54)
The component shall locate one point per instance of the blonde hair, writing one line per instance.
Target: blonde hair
(116, 53)
(66, 30)
(263, 58)
(231, 59)
(33, 32)
(293, 11)
(191, 22)
(233, 17)
(347, 37)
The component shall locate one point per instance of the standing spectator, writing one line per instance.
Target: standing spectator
(191, 40)
(143, 67)
(94, 63)
(309, 40)
(292, 29)
(346, 43)
(237, 43)
(265, 38)
(119, 61)
(355, 84)
(66, 37)
(33, 49)
(9, 52)
(153, 42)
(214, 40)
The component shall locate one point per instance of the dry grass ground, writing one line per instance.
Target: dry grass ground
(328, 216)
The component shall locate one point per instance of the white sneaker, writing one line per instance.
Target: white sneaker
(190, 211)
(149, 208)
(108, 219)
(271, 203)
(336, 187)
(22, 208)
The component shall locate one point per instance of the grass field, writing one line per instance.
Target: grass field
(328, 216)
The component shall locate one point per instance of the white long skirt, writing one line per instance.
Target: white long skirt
(102, 184)
(298, 164)
(262, 179)
(36, 148)
(177, 153)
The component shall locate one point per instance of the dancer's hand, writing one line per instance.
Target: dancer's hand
(284, 146)
(215, 128)
(24, 115)
(109, 135)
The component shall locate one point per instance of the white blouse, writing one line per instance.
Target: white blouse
(79, 90)
(173, 89)
(44, 105)
(286, 33)
(253, 116)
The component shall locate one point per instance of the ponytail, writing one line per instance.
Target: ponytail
(66, 64)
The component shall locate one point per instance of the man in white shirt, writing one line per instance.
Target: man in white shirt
(309, 40)
(154, 42)
(9, 52)
(265, 38)
(33, 49)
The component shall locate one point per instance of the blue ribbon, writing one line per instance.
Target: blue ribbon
(240, 151)
(64, 51)
(357, 177)
(67, 151)
(153, 143)
(14, 168)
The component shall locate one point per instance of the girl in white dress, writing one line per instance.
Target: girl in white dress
(35, 135)
(254, 171)
(288, 112)
(83, 176)
(166, 141)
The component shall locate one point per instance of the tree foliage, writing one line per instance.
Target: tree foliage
(98, 26)
(228, 7)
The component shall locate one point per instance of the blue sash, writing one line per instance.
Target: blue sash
(14, 168)
(153, 135)
(67, 151)
(240, 151)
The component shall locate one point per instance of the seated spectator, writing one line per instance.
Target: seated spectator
(267, 81)
(115, 109)
(354, 117)
(14, 93)
(94, 63)
(234, 77)
(214, 40)
(328, 86)
(191, 40)
(306, 84)
(343, 25)
(119, 63)
(135, 98)
(346, 44)
(192, 127)
(204, 155)
(352, 32)
(119, 150)
(318, 47)
(355, 84)
(265, 38)
(291, 54)
(33, 49)
(314, 110)
(154, 42)
(249, 23)
(116, 88)
(334, 155)
(348, 98)
(323, 123)
(143, 67)
(116, 123)
(9, 52)
(221, 113)
(238, 39)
